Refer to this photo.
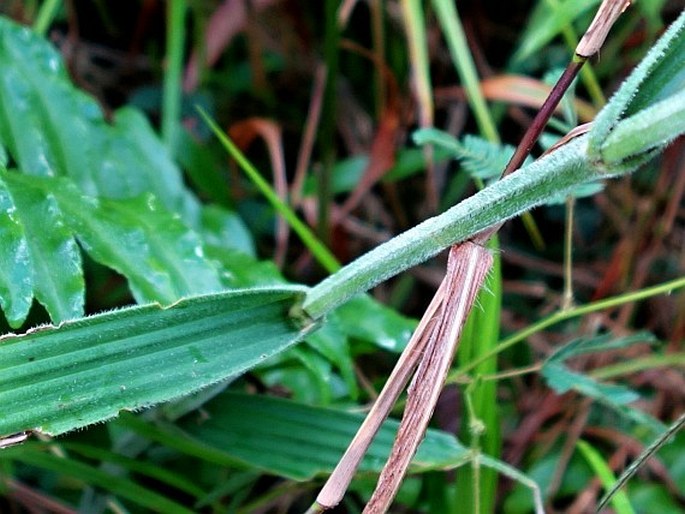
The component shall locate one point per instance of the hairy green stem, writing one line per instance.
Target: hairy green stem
(558, 172)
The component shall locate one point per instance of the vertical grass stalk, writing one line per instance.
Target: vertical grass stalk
(171, 101)
(46, 14)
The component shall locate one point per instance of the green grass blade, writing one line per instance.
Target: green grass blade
(45, 16)
(461, 56)
(33, 455)
(54, 380)
(415, 25)
(318, 249)
(171, 100)
(479, 337)
(620, 500)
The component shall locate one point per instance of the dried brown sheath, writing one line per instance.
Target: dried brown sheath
(467, 268)
(340, 479)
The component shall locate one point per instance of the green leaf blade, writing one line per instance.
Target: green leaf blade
(55, 258)
(57, 379)
(162, 259)
(301, 441)
(16, 281)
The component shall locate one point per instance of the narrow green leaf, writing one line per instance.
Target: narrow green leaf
(54, 380)
(322, 254)
(662, 66)
(479, 337)
(142, 467)
(620, 500)
(600, 343)
(54, 255)
(562, 380)
(16, 279)
(454, 35)
(36, 456)
(548, 22)
(653, 127)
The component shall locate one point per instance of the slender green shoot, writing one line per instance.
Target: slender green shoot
(639, 364)
(46, 14)
(574, 312)
(171, 101)
(567, 299)
(461, 56)
(620, 500)
(318, 249)
(656, 445)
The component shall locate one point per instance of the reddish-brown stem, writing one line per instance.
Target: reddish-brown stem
(543, 115)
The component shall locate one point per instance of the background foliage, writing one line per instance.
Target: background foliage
(114, 192)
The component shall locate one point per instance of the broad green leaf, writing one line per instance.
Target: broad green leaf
(301, 441)
(16, 279)
(332, 342)
(224, 229)
(51, 128)
(54, 256)
(135, 157)
(53, 380)
(41, 457)
(36, 99)
(162, 259)
(368, 320)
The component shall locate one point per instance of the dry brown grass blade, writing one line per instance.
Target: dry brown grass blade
(243, 133)
(336, 485)
(467, 268)
(227, 20)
